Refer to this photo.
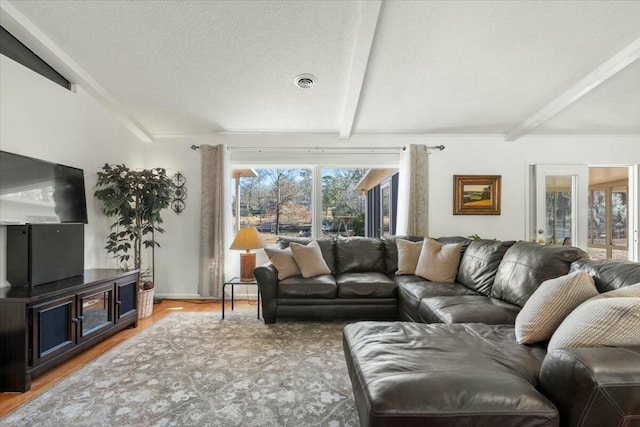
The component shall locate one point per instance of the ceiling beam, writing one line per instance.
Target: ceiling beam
(361, 51)
(604, 72)
(29, 34)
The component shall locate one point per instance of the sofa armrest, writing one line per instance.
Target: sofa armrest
(267, 278)
(593, 386)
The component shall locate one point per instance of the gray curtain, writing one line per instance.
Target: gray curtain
(413, 192)
(213, 218)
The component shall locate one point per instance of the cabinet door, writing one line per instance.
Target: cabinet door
(54, 329)
(95, 311)
(126, 298)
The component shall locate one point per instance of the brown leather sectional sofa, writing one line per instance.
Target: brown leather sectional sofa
(453, 359)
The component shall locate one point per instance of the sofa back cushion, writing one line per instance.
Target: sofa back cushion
(360, 255)
(479, 264)
(526, 265)
(326, 247)
(609, 274)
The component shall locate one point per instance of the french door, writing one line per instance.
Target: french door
(561, 205)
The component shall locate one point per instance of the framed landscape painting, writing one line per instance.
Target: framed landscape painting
(476, 194)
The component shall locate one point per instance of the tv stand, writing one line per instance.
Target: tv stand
(41, 327)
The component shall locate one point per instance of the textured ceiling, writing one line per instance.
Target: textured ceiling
(196, 67)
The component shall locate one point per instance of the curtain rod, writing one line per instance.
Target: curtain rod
(324, 150)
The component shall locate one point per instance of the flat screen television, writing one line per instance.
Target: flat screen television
(34, 191)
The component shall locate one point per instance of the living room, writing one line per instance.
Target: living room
(504, 86)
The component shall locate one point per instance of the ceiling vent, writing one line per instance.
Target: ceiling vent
(305, 81)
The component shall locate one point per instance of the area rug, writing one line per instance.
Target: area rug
(194, 369)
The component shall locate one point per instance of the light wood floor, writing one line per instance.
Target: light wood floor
(10, 401)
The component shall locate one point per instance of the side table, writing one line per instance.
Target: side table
(236, 281)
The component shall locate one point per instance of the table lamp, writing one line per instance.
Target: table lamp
(247, 238)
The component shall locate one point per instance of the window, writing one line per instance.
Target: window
(279, 202)
(276, 201)
(343, 208)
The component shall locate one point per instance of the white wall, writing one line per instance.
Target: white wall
(41, 119)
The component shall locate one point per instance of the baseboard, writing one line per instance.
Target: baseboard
(237, 296)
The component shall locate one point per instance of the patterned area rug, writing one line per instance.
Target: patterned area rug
(193, 369)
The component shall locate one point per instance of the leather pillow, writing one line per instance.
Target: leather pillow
(283, 261)
(408, 254)
(600, 322)
(438, 262)
(550, 304)
(309, 259)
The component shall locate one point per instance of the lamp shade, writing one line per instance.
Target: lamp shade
(246, 239)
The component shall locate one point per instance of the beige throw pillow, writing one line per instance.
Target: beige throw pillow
(438, 262)
(283, 261)
(408, 254)
(309, 259)
(600, 322)
(550, 304)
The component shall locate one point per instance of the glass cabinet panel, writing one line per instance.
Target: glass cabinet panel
(96, 310)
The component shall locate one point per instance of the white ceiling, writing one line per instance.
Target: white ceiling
(434, 67)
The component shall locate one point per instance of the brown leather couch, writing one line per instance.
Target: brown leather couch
(476, 374)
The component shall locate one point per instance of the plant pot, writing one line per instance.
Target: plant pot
(145, 303)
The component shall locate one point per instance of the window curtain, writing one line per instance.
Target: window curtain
(413, 192)
(214, 224)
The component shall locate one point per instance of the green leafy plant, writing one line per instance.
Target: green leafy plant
(135, 199)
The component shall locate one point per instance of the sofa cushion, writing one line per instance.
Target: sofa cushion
(309, 259)
(408, 254)
(479, 264)
(359, 255)
(365, 285)
(283, 261)
(315, 287)
(326, 247)
(550, 304)
(415, 374)
(438, 262)
(600, 322)
(526, 265)
(467, 309)
(609, 274)
(412, 289)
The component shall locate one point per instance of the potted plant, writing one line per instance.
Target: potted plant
(134, 198)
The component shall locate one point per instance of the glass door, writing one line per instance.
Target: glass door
(561, 205)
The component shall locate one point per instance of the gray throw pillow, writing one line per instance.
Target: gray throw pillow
(550, 304)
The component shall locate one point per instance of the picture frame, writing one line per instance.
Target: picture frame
(476, 194)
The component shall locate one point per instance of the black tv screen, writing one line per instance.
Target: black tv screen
(35, 191)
